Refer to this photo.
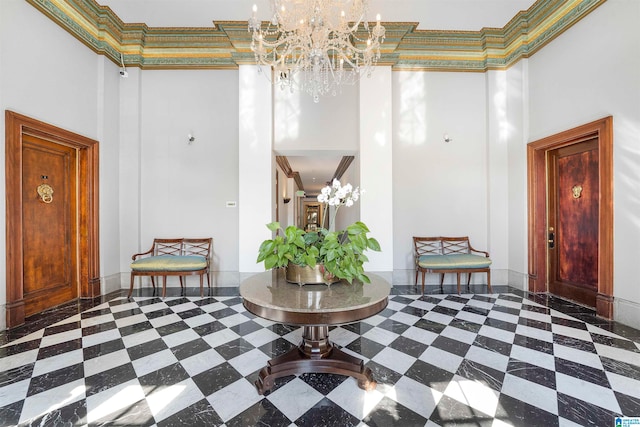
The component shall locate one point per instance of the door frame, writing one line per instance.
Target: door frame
(88, 266)
(538, 200)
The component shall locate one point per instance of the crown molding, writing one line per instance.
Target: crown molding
(226, 44)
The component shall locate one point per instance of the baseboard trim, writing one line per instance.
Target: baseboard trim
(626, 312)
(112, 282)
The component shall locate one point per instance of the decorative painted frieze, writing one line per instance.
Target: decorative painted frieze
(226, 43)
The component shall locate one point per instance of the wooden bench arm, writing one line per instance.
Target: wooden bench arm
(133, 258)
(486, 254)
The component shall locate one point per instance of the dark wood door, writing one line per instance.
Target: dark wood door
(573, 222)
(49, 226)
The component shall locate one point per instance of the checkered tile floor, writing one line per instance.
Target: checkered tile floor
(440, 360)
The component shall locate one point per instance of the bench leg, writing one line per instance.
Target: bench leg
(164, 286)
(423, 274)
(208, 281)
(133, 277)
(458, 280)
(441, 281)
(182, 288)
(201, 283)
(489, 281)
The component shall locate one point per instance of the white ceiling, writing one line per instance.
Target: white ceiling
(430, 14)
(315, 171)
(469, 15)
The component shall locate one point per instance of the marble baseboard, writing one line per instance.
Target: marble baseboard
(627, 312)
(518, 280)
(113, 282)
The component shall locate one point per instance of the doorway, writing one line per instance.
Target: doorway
(570, 190)
(51, 217)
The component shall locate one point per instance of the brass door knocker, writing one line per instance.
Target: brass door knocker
(576, 190)
(45, 192)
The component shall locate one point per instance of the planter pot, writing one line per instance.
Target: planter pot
(307, 275)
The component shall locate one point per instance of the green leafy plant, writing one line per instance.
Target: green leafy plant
(341, 252)
(293, 245)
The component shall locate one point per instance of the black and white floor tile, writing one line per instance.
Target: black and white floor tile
(504, 359)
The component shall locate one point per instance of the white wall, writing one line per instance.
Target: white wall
(497, 174)
(516, 128)
(49, 75)
(52, 77)
(439, 188)
(376, 164)
(184, 186)
(301, 126)
(256, 173)
(108, 136)
(590, 72)
(130, 169)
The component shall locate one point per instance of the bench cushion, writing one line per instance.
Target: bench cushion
(453, 261)
(170, 263)
(434, 261)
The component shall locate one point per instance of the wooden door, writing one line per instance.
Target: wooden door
(573, 221)
(49, 226)
(64, 236)
(539, 176)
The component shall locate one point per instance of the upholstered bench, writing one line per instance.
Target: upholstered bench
(173, 257)
(449, 255)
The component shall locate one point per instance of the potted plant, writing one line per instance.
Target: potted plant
(332, 255)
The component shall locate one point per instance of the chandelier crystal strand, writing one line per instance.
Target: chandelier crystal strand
(314, 45)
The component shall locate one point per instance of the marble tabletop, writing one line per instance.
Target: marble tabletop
(269, 295)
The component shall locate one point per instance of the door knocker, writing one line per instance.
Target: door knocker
(45, 192)
(576, 190)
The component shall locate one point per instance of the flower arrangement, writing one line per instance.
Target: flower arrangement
(341, 252)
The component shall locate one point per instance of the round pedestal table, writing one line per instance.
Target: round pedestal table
(315, 308)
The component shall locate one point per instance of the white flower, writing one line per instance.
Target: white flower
(337, 195)
(341, 193)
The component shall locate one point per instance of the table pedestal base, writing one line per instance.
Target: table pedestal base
(315, 354)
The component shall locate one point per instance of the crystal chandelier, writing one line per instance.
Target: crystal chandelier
(316, 45)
